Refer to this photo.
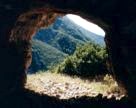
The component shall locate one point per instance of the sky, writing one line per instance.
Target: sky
(86, 24)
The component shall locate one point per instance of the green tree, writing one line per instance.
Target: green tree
(88, 60)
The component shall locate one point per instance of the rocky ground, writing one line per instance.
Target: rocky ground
(65, 87)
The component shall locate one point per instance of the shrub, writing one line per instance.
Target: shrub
(88, 60)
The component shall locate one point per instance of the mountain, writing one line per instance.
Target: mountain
(44, 56)
(65, 35)
(51, 45)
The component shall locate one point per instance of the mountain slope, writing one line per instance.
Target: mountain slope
(65, 35)
(51, 45)
(44, 56)
(79, 32)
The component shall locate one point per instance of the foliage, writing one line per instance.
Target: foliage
(88, 60)
(44, 56)
(65, 35)
(51, 45)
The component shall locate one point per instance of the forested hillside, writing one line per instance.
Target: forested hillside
(65, 35)
(44, 56)
(51, 45)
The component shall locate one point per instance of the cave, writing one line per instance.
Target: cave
(116, 17)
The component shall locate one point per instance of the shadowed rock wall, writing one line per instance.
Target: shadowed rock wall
(19, 22)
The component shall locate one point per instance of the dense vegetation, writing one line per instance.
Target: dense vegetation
(51, 45)
(65, 35)
(88, 60)
(44, 56)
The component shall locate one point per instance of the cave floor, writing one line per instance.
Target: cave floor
(49, 90)
(66, 87)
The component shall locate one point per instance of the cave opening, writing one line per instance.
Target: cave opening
(53, 44)
(67, 44)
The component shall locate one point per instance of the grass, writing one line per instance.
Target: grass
(64, 87)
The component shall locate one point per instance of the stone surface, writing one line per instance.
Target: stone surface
(66, 87)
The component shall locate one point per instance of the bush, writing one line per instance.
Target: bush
(88, 60)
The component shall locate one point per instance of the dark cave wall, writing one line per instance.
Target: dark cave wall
(16, 48)
(16, 32)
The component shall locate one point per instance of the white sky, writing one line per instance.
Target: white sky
(86, 24)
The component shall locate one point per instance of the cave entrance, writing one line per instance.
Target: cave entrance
(35, 31)
(72, 46)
